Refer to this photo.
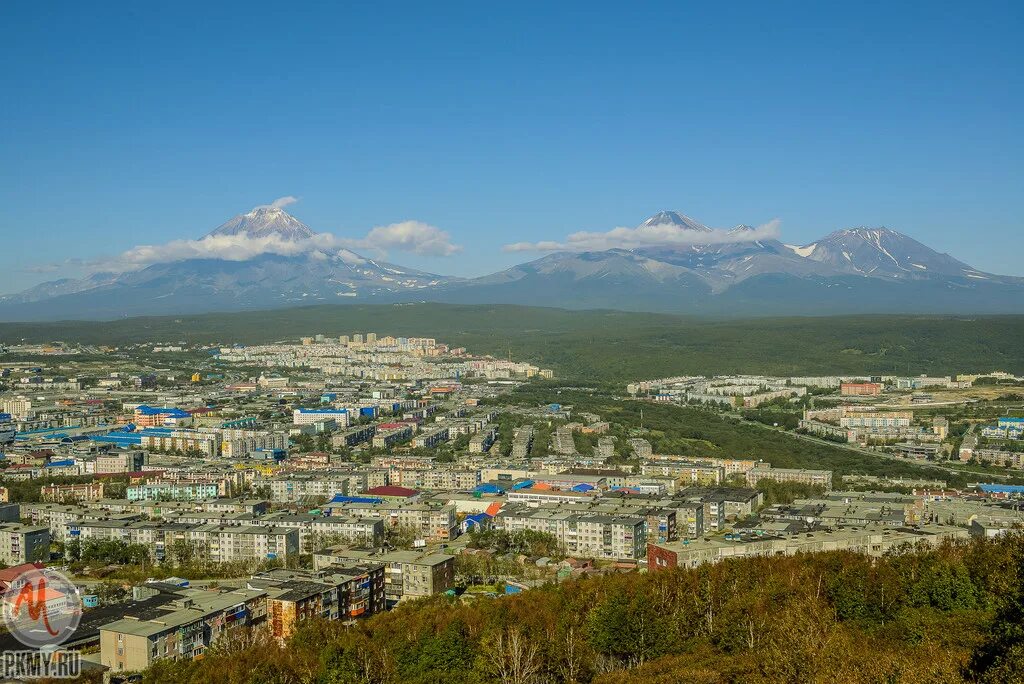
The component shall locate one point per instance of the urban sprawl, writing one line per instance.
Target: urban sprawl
(336, 477)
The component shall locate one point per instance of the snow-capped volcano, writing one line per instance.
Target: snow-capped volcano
(674, 218)
(742, 271)
(265, 222)
(272, 259)
(882, 253)
(678, 265)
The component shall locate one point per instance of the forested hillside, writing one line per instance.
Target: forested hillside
(606, 345)
(945, 615)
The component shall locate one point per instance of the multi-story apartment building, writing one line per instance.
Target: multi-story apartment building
(57, 517)
(173, 491)
(219, 543)
(316, 532)
(431, 438)
(427, 521)
(153, 416)
(444, 478)
(242, 443)
(522, 442)
(688, 472)
(581, 534)
(308, 416)
(641, 447)
(206, 443)
(226, 543)
(482, 442)
(18, 407)
(821, 478)
(250, 506)
(23, 543)
(827, 430)
(873, 540)
(120, 462)
(549, 496)
(69, 493)
(356, 435)
(860, 389)
(180, 630)
(408, 574)
(390, 434)
(1006, 459)
(298, 486)
(877, 420)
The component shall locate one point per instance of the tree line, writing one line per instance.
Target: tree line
(945, 614)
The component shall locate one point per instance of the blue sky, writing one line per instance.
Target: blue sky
(129, 123)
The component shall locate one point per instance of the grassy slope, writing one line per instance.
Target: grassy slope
(609, 345)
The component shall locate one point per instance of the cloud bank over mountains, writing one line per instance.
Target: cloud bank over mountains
(650, 235)
(267, 229)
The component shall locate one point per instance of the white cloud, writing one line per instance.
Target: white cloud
(282, 202)
(412, 236)
(664, 235)
(408, 236)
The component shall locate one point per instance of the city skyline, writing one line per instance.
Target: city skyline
(500, 129)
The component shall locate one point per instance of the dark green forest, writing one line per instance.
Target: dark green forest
(606, 345)
(919, 615)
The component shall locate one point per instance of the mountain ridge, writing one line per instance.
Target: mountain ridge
(852, 270)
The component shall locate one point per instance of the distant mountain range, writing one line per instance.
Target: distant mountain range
(857, 270)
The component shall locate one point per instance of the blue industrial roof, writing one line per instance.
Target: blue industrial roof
(1002, 489)
(523, 484)
(341, 498)
(488, 488)
(60, 464)
(477, 518)
(157, 411)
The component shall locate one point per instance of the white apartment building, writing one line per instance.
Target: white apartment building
(582, 534)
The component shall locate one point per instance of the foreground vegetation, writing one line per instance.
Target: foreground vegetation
(919, 615)
(606, 345)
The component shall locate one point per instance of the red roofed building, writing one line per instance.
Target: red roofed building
(392, 492)
(8, 575)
